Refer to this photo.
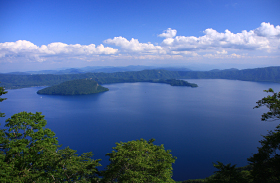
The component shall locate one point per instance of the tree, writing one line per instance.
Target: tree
(228, 174)
(139, 161)
(74, 168)
(2, 91)
(272, 102)
(29, 153)
(266, 163)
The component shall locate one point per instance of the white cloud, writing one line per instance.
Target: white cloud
(234, 55)
(169, 33)
(224, 52)
(223, 56)
(267, 30)
(23, 48)
(62, 48)
(17, 47)
(265, 38)
(134, 46)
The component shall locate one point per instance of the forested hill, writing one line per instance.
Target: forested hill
(267, 74)
(74, 87)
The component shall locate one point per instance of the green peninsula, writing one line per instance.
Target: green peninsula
(176, 82)
(74, 87)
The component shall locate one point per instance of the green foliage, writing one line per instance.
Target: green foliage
(74, 168)
(139, 161)
(75, 87)
(26, 145)
(228, 174)
(175, 82)
(2, 91)
(272, 102)
(266, 163)
(29, 153)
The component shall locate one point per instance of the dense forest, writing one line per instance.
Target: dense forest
(74, 87)
(268, 74)
(174, 82)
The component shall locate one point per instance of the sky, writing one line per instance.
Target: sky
(199, 34)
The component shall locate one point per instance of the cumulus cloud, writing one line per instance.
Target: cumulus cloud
(267, 30)
(266, 38)
(134, 45)
(23, 48)
(168, 33)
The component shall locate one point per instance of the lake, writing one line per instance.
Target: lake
(214, 122)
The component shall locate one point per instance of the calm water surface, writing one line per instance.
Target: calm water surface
(214, 122)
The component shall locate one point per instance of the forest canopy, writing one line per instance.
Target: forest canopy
(75, 87)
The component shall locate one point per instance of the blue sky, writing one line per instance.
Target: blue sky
(37, 35)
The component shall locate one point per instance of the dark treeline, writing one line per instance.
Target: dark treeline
(74, 87)
(268, 74)
(175, 82)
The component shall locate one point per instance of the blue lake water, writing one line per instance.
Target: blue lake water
(214, 122)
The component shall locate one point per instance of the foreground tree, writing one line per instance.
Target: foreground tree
(2, 91)
(272, 102)
(29, 153)
(266, 163)
(139, 161)
(228, 174)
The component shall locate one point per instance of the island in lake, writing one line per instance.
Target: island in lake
(74, 87)
(89, 86)
(175, 82)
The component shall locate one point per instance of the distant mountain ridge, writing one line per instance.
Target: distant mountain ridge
(267, 74)
(97, 69)
(217, 70)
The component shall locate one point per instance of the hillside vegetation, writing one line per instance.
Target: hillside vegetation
(268, 74)
(74, 87)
